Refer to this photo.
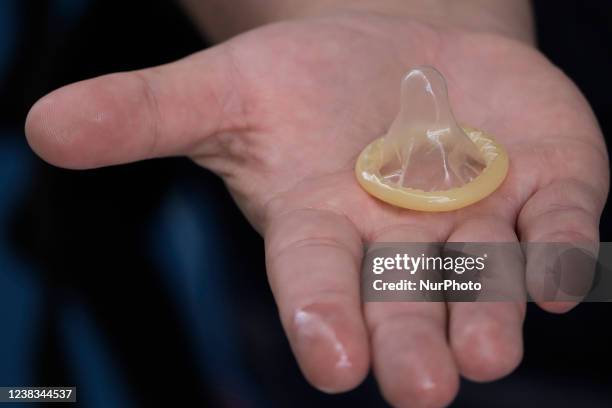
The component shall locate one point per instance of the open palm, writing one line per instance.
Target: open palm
(282, 112)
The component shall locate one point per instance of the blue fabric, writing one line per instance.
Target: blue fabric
(100, 384)
(9, 32)
(19, 290)
(187, 238)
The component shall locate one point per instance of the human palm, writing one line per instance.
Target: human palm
(282, 112)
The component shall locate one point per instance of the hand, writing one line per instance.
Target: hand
(282, 112)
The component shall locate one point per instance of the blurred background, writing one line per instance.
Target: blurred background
(124, 281)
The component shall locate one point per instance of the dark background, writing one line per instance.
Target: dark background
(87, 240)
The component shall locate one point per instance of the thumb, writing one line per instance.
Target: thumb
(124, 117)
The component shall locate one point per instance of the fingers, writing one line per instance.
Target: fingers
(136, 115)
(411, 358)
(563, 212)
(486, 337)
(313, 258)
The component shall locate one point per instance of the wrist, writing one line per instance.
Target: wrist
(513, 19)
(220, 19)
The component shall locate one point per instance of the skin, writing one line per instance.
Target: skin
(281, 113)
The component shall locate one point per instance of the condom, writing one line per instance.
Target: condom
(426, 161)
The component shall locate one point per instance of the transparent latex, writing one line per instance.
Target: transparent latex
(425, 148)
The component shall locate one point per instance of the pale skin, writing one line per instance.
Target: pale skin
(281, 112)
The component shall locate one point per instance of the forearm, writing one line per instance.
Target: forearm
(221, 19)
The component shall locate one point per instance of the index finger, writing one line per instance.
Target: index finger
(313, 259)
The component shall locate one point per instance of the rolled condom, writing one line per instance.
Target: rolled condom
(426, 161)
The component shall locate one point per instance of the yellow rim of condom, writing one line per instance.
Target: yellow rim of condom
(368, 175)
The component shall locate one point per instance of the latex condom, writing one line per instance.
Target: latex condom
(426, 161)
